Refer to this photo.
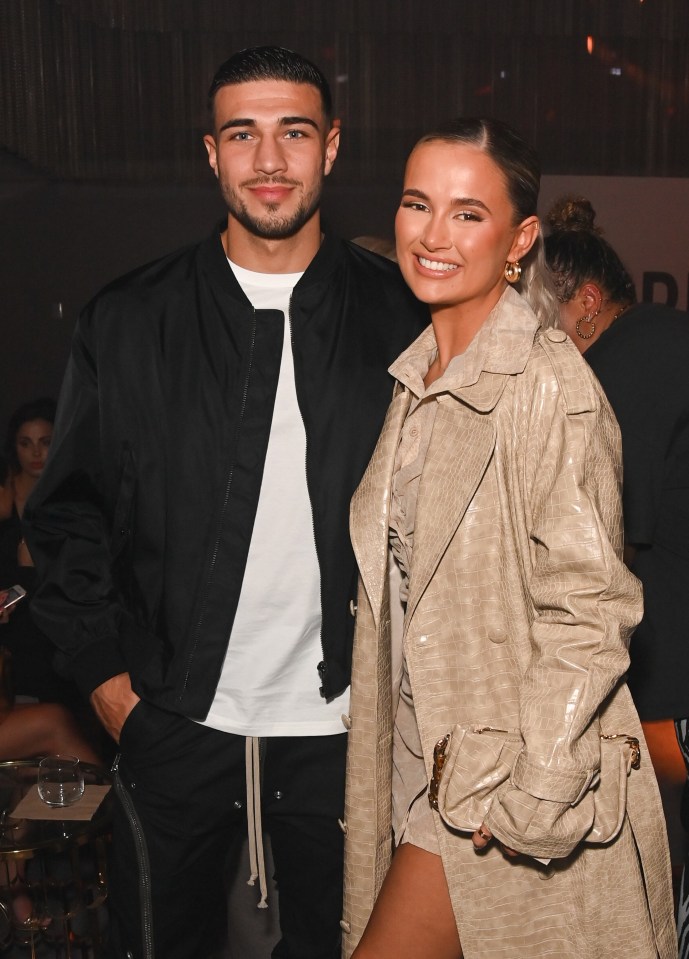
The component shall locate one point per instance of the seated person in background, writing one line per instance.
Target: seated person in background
(640, 354)
(38, 729)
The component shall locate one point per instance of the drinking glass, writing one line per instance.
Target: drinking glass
(60, 780)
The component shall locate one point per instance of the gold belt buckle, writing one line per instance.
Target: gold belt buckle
(634, 746)
(438, 763)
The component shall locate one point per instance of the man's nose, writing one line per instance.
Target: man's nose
(269, 157)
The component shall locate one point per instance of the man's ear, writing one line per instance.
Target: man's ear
(209, 142)
(332, 145)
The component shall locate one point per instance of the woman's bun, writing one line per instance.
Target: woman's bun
(572, 213)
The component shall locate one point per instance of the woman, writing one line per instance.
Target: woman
(640, 354)
(496, 482)
(28, 441)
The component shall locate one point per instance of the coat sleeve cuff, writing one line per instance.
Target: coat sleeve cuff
(554, 785)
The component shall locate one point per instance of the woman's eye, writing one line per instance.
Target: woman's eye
(414, 205)
(468, 215)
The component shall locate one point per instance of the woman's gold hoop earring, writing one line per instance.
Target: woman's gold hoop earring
(513, 271)
(588, 318)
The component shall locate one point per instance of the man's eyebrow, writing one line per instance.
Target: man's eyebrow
(457, 201)
(296, 121)
(282, 121)
(237, 122)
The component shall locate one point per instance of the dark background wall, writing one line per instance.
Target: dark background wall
(102, 113)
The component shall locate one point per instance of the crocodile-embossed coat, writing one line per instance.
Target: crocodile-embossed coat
(518, 618)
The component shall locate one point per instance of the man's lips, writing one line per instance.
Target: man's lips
(271, 193)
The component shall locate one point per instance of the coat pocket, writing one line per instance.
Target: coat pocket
(469, 764)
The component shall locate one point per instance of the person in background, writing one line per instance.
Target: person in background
(500, 751)
(378, 244)
(29, 434)
(640, 354)
(191, 527)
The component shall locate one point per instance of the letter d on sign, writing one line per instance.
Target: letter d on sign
(667, 279)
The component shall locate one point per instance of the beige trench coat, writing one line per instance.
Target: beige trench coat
(518, 619)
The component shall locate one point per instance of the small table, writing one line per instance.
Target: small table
(53, 882)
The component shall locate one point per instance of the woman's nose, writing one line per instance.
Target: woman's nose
(436, 236)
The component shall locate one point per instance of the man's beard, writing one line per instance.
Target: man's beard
(271, 226)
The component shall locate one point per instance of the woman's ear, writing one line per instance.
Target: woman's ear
(590, 297)
(525, 237)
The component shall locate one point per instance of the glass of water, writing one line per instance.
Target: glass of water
(60, 780)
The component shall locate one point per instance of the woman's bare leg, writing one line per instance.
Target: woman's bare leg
(412, 917)
(30, 729)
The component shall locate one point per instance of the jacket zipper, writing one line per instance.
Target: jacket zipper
(322, 667)
(228, 486)
(142, 861)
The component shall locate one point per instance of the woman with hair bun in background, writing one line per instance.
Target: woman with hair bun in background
(640, 354)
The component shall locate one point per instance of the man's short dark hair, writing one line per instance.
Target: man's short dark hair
(270, 63)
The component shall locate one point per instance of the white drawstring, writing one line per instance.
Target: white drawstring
(257, 861)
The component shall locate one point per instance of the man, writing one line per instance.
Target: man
(191, 528)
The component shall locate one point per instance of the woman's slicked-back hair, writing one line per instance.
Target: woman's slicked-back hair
(517, 160)
(41, 409)
(520, 165)
(270, 63)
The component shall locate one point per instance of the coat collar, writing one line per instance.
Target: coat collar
(477, 377)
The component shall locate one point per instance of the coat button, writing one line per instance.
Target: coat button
(556, 336)
(344, 926)
(352, 607)
(277, 794)
(343, 826)
(346, 721)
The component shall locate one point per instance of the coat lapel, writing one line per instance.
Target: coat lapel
(461, 447)
(370, 510)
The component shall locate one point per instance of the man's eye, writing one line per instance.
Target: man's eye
(294, 134)
(242, 135)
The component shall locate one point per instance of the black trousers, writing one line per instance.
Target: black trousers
(182, 790)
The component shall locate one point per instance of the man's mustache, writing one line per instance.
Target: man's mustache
(270, 181)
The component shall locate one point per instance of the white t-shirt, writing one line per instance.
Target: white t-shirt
(269, 684)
